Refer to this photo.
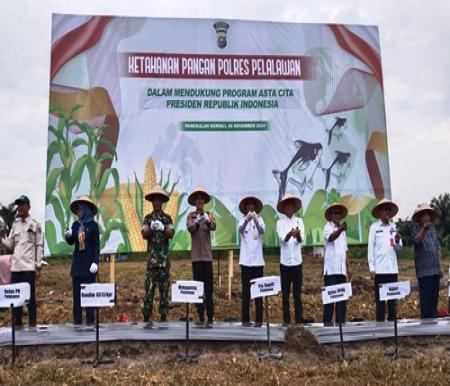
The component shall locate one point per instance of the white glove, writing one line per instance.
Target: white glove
(254, 215)
(249, 216)
(68, 233)
(157, 225)
(94, 268)
(206, 218)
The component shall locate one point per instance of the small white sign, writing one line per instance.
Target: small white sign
(16, 294)
(336, 293)
(265, 286)
(396, 290)
(187, 291)
(98, 295)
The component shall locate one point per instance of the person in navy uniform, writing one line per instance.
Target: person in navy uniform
(85, 235)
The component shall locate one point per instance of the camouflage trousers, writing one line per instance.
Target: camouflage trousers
(156, 277)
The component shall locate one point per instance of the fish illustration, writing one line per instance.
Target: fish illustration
(340, 160)
(339, 126)
(301, 168)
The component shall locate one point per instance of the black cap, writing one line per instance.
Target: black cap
(22, 200)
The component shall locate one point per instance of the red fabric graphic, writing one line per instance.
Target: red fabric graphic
(359, 48)
(76, 41)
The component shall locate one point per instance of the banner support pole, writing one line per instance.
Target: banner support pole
(187, 358)
(13, 337)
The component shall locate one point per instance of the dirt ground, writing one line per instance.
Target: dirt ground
(424, 361)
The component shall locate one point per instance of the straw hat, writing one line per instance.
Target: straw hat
(385, 202)
(199, 190)
(243, 204)
(289, 198)
(421, 208)
(85, 200)
(157, 191)
(336, 205)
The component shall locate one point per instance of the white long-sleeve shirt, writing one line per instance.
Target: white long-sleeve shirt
(381, 248)
(251, 252)
(26, 240)
(335, 257)
(290, 251)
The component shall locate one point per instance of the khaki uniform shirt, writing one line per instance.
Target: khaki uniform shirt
(201, 237)
(26, 240)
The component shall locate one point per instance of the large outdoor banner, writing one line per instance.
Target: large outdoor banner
(236, 107)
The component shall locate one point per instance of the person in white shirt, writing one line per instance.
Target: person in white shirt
(26, 240)
(384, 241)
(336, 267)
(291, 231)
(251, 229)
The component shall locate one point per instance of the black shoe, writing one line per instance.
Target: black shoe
(257, 324)
(286, 324)
(148, 325)
(209, 324)
(163, 318)
(247, 324)
(306, 320)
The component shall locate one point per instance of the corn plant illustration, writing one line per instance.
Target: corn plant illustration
(74, 160)
(136, 207)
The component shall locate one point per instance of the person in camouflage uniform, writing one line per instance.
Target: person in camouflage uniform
(157, 229)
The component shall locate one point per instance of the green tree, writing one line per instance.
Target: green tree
(442, 206)
(8, 214)
(404, 227)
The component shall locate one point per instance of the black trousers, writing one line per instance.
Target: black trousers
(429, 296)
(30, 278)
(380, 305)
(76, 290)
(203, 271)
(292, 276)
(341, 307)
(247, 274)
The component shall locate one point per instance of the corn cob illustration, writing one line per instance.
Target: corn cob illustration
(133, 224)
(171, 207)
(149, 183)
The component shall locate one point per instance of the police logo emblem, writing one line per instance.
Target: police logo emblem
(221, 32)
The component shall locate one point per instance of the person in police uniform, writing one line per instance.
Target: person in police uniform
(251, 228)
(384, 241)
(26, 240)
(336, 265)
(157, 229)
(85, 235)
(200, 224)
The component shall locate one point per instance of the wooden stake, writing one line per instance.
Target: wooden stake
(230, 272)
(112, 268)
